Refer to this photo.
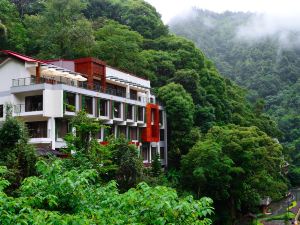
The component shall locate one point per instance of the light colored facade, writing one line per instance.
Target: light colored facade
(47, 94)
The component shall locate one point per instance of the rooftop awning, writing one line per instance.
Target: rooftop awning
(55, 71)
(127, 82)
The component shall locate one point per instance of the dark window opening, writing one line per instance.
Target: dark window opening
(108, 131)
(99, 134)
(33, 103)
(97, 85)
(133, 94)
(140, 113)
(117, 109)
(116, 90)
(62, 127)
(87, 103)
(103, 107)
(162, 153)
(70, 101)
(145, 154)
(122, 131)
(133, 133)
(161, 120)
(37, 129)
(153, 153)
(162, 135)
(129, 115)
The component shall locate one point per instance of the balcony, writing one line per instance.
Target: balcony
(21, 82)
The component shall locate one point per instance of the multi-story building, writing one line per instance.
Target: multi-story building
(46, 94)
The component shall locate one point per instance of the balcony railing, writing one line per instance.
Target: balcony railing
(32, 81)
(21, 108)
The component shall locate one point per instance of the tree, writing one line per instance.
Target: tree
(180, 111)
(12, 32)
(118, 46)
(236, 166)
(15, 152)
(60, 31)
(59, 196)
(129, 164)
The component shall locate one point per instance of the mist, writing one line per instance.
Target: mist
(284, 28)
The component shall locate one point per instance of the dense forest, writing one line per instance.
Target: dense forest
(220, 144)
(268, 66)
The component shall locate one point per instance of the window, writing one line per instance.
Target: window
(88, 104)
(153, 152)
(37, 129)
(145, 154)
(122, 131)
(140, 112)
(162, 153)
(70, 101)
(133, 133)
(97, 85)
(103, 107)
(62, 127)
(133, 94)
(1, 111)
(129, 115)
(108, 131)
(99, 134)
(162, 135)
(33, 103)
(117, 109)
(116, 90)
(161, 118)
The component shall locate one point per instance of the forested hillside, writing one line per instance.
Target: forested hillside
(217, 139)
(269, 66)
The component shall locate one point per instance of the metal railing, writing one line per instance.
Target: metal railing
(20, 108)
(33, 81)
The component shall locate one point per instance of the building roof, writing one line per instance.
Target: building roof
(20, 56)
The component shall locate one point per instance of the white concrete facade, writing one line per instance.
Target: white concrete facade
(43, 106)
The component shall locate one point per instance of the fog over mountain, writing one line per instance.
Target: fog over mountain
(258, 51)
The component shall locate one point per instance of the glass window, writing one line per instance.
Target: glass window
(70, 99)
(145, 154)
(129, 115)
(153, 152)
(140, 112)
(117, 109)
(37, 129)
(103, 107)
(162, 153)
(88, 106)
(162, 134)
(62, 127)
(122, 131)
(133, 94)
(108, 131)
(133, 133)
(1, 111)
(33, 103)
(161, 119)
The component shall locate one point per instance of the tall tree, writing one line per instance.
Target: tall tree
(60, 30)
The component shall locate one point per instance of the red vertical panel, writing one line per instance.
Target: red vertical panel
(151, 132)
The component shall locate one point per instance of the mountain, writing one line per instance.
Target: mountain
(257, 54)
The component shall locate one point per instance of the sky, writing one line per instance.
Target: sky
(281, 8)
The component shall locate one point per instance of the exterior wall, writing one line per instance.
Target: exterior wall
(53, 103)
(122, 75)
(54, 108)
(9, 70)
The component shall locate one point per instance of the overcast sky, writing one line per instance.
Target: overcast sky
(282, 8)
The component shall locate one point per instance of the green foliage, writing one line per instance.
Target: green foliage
(156, 166)
(12, 32)
(236, 166)
(129, 164)
(60, 30)
(60, 196)
(15, 153)
(118, 46)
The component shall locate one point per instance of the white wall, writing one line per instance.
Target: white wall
(53, 103)
(11, 69)
(122, 75)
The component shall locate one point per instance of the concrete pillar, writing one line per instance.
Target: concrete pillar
(127, 91)
(77, 103)
(51, 131)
